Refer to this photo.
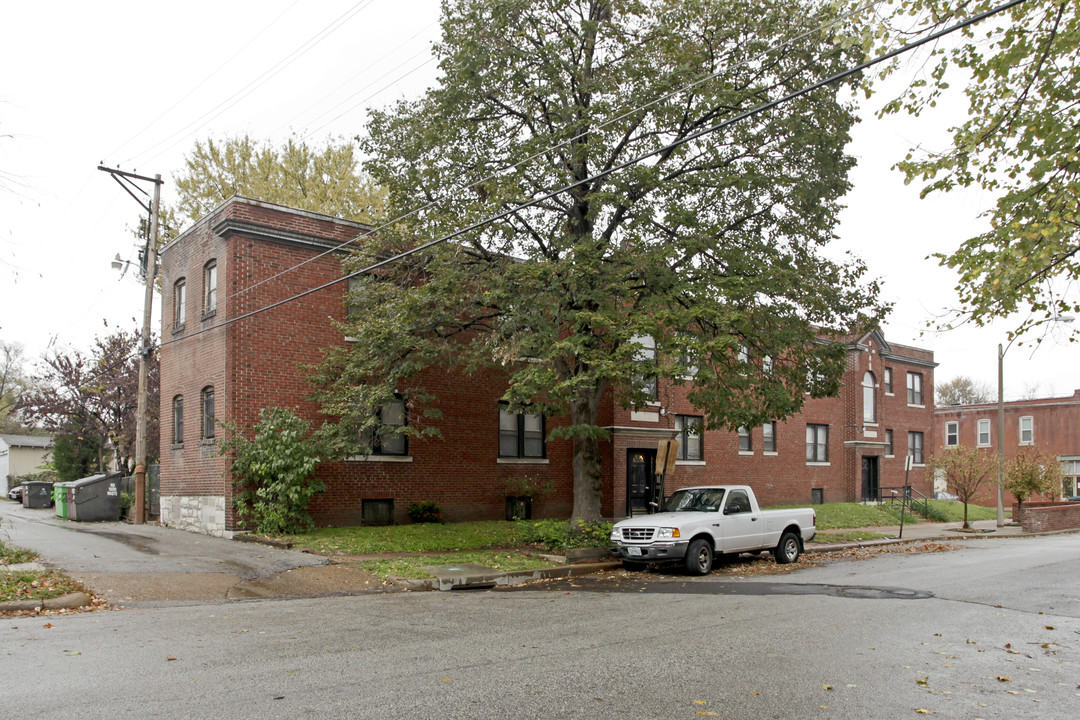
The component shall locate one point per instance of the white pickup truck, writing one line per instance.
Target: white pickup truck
(699, 523)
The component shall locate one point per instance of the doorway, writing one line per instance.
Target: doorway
(870, 479)
(640, 481)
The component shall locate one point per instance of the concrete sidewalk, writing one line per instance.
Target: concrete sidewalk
(147, 564)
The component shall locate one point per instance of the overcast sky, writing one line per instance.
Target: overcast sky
(135, 84)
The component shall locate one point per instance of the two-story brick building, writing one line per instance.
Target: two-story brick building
(1045, 425)
(235, 338)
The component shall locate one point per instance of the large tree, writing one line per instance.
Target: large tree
(1019, 143)
(12, 384)
(965, 470)
(325, 179)
(93, 396)
(962, 390)
(706, 256)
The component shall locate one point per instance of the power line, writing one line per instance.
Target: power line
(564, 143)
(622, 166)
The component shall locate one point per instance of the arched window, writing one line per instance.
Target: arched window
(179, 304)
(178, 419)
(208, 411)
(869, 410)
(210, 289)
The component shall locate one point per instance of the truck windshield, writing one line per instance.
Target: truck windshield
(695, 500)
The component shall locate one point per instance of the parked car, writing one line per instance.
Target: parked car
(1075, 498)
(699, 523)
(15, 493)
(941, 495)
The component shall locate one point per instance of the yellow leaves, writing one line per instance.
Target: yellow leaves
(923, 711)
(826, 687)
(924, 682)
(1002, 678)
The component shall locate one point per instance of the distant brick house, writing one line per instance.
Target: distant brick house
(1047, 425)
(234, 262)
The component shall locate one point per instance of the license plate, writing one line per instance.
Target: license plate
(633, 551)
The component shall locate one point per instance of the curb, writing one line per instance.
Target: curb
(511, 577)
(64, 602)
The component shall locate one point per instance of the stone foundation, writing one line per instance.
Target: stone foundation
(195, 513)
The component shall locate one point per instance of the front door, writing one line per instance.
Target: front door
(870, 478)
(640, 481)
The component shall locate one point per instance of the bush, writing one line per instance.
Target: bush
(558, 535)
(426, 512)
(273, 472)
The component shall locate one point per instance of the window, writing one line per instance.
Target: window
(952, 434)
(888, 381)
(521, 435)
(210, 289)
(208, 412)
(745, 442)
(737, 502)
(817, 443)
(1027, 430)
(1070, 472)
(915, 447)
(180, 305)
(983, 439)
(869, 413)
(767, 364)
(889, 443)
(385, 438)
(914, 388)
(646, 355)
(688, 428)
(768, 437)
(178, 419)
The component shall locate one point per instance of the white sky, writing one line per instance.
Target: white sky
(135, 84)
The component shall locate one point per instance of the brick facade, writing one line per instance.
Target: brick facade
(254, 361)
(1053, 423)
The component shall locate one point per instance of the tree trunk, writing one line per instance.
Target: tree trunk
(588, 480)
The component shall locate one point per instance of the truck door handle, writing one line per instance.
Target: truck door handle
(753, 519)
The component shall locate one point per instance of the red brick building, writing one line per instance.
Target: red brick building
(1045, 425)
(221, 360)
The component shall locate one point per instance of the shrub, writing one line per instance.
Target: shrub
(557, 535)
(425, 512)
(273, 472)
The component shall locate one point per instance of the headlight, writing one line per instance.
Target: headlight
(667, 532)
(616, 534)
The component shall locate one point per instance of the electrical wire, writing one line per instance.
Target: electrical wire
(933, 37)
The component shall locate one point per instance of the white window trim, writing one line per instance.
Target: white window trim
(1020, 430)
(522, 461)
(770, 453)
(957, 434)
(746, 452)
(989, 434)
(813, 463)
(692, 463)
(380, 458)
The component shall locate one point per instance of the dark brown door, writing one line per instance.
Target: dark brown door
(870, 478)
(640, 478)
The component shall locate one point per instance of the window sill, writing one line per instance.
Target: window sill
(986, 445)
(381, 458)
(177, 446)
(208, 442)
(816, 463)
(770, 453)
(1026, 444)
(207, 314)
(178, 329)
(691, 463)
(912, 405)
(746, 452)
(522, 461)
(889, 456)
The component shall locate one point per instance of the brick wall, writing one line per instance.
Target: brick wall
(1048, 517)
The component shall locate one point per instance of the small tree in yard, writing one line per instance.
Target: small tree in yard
(1032, 473)
(273, 472)
(965, 470)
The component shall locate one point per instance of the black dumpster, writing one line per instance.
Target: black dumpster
(95, 498)
(37, 494)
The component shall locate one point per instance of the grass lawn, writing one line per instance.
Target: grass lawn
(28, 584)
(849, 536)
(424, 537)
(410, 567)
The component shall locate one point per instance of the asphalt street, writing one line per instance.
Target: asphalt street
(990, 629)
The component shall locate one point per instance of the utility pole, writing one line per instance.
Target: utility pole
(145, 349)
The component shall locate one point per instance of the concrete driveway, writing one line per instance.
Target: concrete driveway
(128, 564)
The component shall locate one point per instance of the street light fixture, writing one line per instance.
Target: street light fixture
(1001, 422)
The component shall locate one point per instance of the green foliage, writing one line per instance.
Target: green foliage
(1032, 473)
(1019, 144)
(425, 512)
(528, 486)
(962, 390)
(966, 469)
(560, 535)
(76, 456)
(707, 248)
(273, 471)
(322, 179)
(10, 555)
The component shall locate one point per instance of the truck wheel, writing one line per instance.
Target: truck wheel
(633, 566)
(788, 550)
(699, 558)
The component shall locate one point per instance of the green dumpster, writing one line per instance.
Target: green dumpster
(60, 497)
